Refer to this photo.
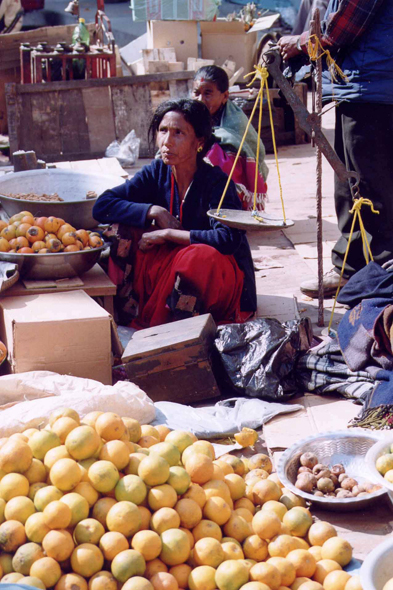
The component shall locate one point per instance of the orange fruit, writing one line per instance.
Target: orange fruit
(190, 513)
(79, 507)
(336, 580)
(117, 452)
(57, 515)
(148, 543)
(71, 582)
(103, 580)
(47, 570)
(82, 442)
(88, 530)
(110, 426)
(127, 564)
(164, 581)
(35, 527)
(199, 467)
(65, 474)
(303, 561)
(58, 544)
(124, 517)
(267, 574)
(207, 528)
(208, 552)
(19, 508)
(324, 567)
(164, 519)
(103, 476)
(15, 456)
(202, 578)
(154, 470)
(12, 536)
(181, 573)
(86, 560)
(266, 524)
(112, 543)
(101, 509)
(197, 493)
(217, 510)
(161, 497)
(231, 575)
(25, 556)
(335, 548)
(175, 547)
(255, 548)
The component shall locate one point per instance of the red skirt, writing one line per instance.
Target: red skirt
(215, 277)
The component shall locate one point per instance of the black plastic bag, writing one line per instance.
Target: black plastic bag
(260, 356)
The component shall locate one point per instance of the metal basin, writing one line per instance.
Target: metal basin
(70, 185)
(348, 447)
(53, 266)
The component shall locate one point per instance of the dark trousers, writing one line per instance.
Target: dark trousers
(364, 142)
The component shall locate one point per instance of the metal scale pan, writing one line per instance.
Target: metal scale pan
(245, 220)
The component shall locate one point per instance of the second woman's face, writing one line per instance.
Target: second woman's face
(209, 94)
(176, 140)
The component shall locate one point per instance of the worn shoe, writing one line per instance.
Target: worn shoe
(330, 284)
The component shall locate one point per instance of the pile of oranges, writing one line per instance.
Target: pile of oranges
(103, 503)
(26, 234)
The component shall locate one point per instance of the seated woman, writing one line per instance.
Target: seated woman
(183, 262)
(211, 86)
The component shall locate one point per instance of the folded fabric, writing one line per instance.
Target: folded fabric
(368, 283)
(365, 339)
(323, 371)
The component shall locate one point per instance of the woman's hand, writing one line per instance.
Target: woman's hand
(289, 46)
(163, 218)
(153, 238)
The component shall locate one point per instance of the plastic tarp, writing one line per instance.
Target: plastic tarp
(223, 419)
(28, 399)
(260, 356)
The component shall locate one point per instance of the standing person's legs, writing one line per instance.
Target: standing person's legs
(363, 141)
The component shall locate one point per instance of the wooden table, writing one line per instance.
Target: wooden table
(96, 283)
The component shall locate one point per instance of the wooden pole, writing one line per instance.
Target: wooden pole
(315, 29)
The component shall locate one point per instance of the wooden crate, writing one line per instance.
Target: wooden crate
(78, 119)
(173, 362)
(10, 59)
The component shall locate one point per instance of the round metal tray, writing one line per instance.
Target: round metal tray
(61, 265)
(70, 185)
(371, 457)
(346, 447)
(377, 568)
(245, 220)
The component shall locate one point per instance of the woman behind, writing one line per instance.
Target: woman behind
(211, 86)
(181, 261)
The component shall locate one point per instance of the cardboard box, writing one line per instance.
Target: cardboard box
(181, 35)
(223, 40)
(68, 333)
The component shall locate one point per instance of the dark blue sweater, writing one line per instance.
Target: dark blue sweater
(130, 202)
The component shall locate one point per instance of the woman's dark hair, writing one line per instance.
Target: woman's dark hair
(194, 112)
(214, 74)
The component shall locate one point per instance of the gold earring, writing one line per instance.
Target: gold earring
(199, 149)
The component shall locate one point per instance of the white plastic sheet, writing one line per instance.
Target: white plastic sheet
(28, 399)
(222, 419)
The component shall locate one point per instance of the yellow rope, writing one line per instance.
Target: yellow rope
(316, 51)
(366, 246)
(275, 151)
(258, 146)
(262, 74)
(238, 153)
